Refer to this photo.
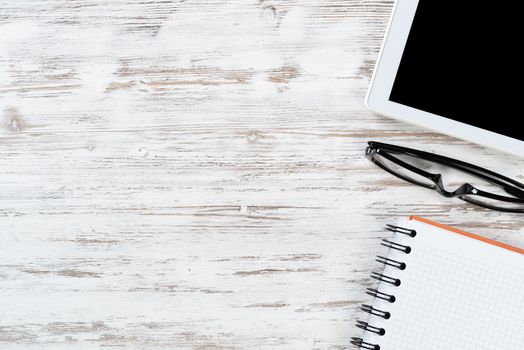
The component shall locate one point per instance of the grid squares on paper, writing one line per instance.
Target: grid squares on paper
(452, 302)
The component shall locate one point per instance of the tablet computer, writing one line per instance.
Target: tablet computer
(453, 66)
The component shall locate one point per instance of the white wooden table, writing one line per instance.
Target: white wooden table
(190, 174)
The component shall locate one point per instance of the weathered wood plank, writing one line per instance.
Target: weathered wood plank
(190, 174)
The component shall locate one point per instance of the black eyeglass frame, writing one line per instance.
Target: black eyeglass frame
(463, 192)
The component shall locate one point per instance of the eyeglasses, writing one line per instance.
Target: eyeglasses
(449, 177)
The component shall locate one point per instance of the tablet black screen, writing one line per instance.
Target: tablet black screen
(461, 62)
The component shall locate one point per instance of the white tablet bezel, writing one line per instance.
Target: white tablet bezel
(377, 99)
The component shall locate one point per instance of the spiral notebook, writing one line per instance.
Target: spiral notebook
(443, 288)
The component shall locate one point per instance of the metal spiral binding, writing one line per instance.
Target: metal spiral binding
(404, 231)
(378, 276)
(367, 327)
(371, 310)
(383, 260)
(403, 248)
(377, 294)
(359, 342)
(363, 345)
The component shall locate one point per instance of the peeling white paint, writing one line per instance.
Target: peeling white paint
(191, 174)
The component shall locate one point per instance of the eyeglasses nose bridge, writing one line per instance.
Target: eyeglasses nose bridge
(437, 179)
(466, 189)
(439, 185)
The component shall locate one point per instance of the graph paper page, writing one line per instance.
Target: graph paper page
(457, 292)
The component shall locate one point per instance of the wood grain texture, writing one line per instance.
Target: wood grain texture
(190, 174)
